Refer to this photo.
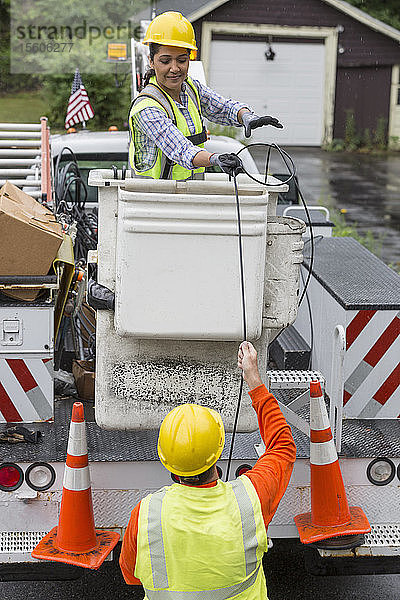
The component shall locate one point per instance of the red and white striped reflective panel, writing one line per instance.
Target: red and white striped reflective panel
(26, 390)
(372, 380)
(76, 473)
(322, 446)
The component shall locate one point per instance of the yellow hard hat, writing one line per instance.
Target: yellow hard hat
(171, 29)
(191, 439)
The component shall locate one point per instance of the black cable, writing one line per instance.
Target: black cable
(287, 159)
(70, 200)
(71, 195)
(267, 165)
(316, 239)
(243, 320)
(310, 268)
(311, 324)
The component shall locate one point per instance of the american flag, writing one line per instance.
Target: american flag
(79, 107)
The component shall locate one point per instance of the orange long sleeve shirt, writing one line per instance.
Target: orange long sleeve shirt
(270, 475)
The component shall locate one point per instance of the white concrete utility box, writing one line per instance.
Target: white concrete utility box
(177, 263)
(169, 251)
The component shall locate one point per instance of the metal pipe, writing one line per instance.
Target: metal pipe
(20, 144)
(43, 123)
(50, 197)
(22, 182)
(336, 384)
(10, 152)
(20, 126)
(21, 135)
(36, 193)
(27, 279)
(18, 172)
(79, 340)
(23, 162)
(46, 174)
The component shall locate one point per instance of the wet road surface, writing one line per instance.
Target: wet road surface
(286, 579)
(366, 186)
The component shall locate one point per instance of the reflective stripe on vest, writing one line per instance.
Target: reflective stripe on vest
(249, 531)
(156, 542)
(151, 96)
(218, 594)
(158, 559)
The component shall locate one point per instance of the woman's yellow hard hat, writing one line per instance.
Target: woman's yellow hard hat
(191, 439)
(171, 29)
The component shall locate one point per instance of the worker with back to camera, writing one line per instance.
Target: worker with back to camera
(166, 119)
(203, 538)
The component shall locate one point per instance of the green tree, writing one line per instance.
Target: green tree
(110, 104)
(387, 11)
(53, 72)
(11, 82)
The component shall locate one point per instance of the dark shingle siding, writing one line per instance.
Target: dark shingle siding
(363, 45)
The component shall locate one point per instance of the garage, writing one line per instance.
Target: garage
(289, 87)
(331, 60)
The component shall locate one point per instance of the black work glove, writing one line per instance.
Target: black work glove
(251, 121)
(100, 297)
(228, 163)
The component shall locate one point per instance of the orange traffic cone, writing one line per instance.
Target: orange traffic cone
(330, 515)
(75, 540)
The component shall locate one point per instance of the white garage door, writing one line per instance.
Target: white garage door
(291, 87)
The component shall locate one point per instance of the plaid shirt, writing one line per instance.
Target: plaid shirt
(154, 130)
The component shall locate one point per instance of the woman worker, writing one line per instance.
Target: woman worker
(165, 120)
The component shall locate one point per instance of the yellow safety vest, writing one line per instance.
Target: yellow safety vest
(154, 96)
(202, 543)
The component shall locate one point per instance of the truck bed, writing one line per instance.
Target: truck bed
(361, 438)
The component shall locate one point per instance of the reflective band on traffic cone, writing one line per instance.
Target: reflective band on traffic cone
(330, 514)
(75, 540)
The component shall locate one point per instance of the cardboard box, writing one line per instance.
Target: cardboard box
(83, 372)
(29, 237)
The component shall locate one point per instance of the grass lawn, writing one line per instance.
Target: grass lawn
(23, 107)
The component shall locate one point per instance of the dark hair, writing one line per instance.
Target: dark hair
(153, 50)
(198, 479)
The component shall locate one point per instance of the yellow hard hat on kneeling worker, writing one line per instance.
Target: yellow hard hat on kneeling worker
(171, 29)
(191, 439)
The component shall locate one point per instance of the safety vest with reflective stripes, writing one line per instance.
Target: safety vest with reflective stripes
(153, 96)
(202, 543)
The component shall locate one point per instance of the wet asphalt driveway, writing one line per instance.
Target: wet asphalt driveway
(366, 186)
(284, 568)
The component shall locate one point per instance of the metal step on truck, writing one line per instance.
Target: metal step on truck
(168, 253)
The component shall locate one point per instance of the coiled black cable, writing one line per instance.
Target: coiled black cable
(70, 201)
(288, 161)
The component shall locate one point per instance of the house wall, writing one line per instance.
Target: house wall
(366, 91)
(364, 55)
(361, 44)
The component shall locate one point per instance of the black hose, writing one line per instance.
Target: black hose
(288, 161)
(243, 295)
(70, 200)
